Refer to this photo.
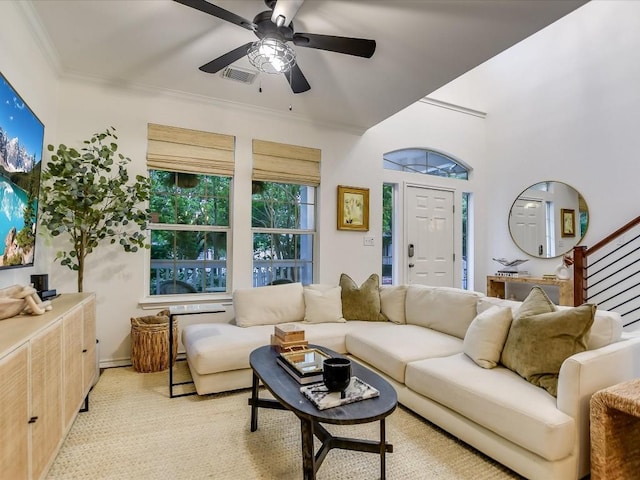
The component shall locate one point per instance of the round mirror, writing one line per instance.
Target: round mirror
(548, 219)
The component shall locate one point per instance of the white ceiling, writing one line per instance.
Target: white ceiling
(421, 46)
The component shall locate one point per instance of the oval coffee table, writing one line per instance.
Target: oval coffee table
(286, 391)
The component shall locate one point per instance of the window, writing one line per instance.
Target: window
(427, 162)
(283, 210)
(387, 234)
(190, 231)
(283, 221)
(466, 240)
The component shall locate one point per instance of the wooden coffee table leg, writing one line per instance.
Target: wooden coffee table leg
(308, 458)
(383, 451)
(254, 402)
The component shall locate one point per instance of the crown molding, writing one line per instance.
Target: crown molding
(200, 99)
(39, 33)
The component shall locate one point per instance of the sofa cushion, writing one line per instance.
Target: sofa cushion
(389, 347)
(445, 309)
(392, 301)
(538, 344)
(497, 399)
(485, 303)
(361, 303)
(606, 328)
(323, 306)
(321, 287)
(269, 305)
(486, 335)
(221, 347)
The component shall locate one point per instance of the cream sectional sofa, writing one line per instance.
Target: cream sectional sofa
(420, 350)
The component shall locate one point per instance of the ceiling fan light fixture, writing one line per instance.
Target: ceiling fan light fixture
(271, 55)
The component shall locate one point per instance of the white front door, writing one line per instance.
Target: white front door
(429, 249)
(527, 224)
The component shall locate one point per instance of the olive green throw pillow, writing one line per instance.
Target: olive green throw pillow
(537, 344)
(361, 303)
(536, 302)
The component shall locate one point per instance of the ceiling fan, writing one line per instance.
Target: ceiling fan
(274, 28)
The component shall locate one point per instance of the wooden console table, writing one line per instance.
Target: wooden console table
(496, 285)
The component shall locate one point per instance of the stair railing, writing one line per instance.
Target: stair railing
(608, 273)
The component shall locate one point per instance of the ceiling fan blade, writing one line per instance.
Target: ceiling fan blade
(286, 9)
(227, 59)
(297, 80)
(358, 47)
(221, 13)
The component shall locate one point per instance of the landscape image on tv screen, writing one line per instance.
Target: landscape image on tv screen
(21, 139)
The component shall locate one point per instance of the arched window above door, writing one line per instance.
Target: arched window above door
(426, 162)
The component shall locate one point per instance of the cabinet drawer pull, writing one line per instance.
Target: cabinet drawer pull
(84, 350)
(33, 419)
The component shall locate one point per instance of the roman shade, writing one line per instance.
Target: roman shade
(282, 163)
(193, 151)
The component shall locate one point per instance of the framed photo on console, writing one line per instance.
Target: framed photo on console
(353, 208)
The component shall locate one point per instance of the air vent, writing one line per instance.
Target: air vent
(239, 75)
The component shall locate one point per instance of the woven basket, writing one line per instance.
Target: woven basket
(150, 342)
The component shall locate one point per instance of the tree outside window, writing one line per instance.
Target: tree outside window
(283, 221)
(387, 234)
(189, 232)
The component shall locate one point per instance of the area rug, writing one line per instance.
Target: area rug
(133, 430)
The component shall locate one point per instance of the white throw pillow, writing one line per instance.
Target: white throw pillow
(392, 300)
(323, 306)
(269, 305)
(486, 336)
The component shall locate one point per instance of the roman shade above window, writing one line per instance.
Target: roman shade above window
(176, 149)
(282, 163)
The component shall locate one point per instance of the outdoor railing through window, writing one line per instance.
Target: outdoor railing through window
(190, 276)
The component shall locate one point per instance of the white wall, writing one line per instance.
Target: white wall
(563, 105)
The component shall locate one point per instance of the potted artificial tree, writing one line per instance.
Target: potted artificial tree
(87, 195)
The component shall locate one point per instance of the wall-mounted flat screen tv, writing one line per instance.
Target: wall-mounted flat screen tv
(21, 142)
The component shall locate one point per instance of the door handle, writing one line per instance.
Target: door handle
(540, 252)
(411, 251)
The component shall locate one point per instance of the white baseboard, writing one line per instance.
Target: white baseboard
(126, 362)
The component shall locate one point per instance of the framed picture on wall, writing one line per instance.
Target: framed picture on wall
(568, 218)
(353, 208)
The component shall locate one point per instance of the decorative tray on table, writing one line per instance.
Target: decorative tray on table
(304, 365)
(356, 391)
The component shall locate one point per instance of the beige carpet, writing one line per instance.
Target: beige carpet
(133, 430)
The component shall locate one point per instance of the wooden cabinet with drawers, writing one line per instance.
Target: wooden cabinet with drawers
(47, 367)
